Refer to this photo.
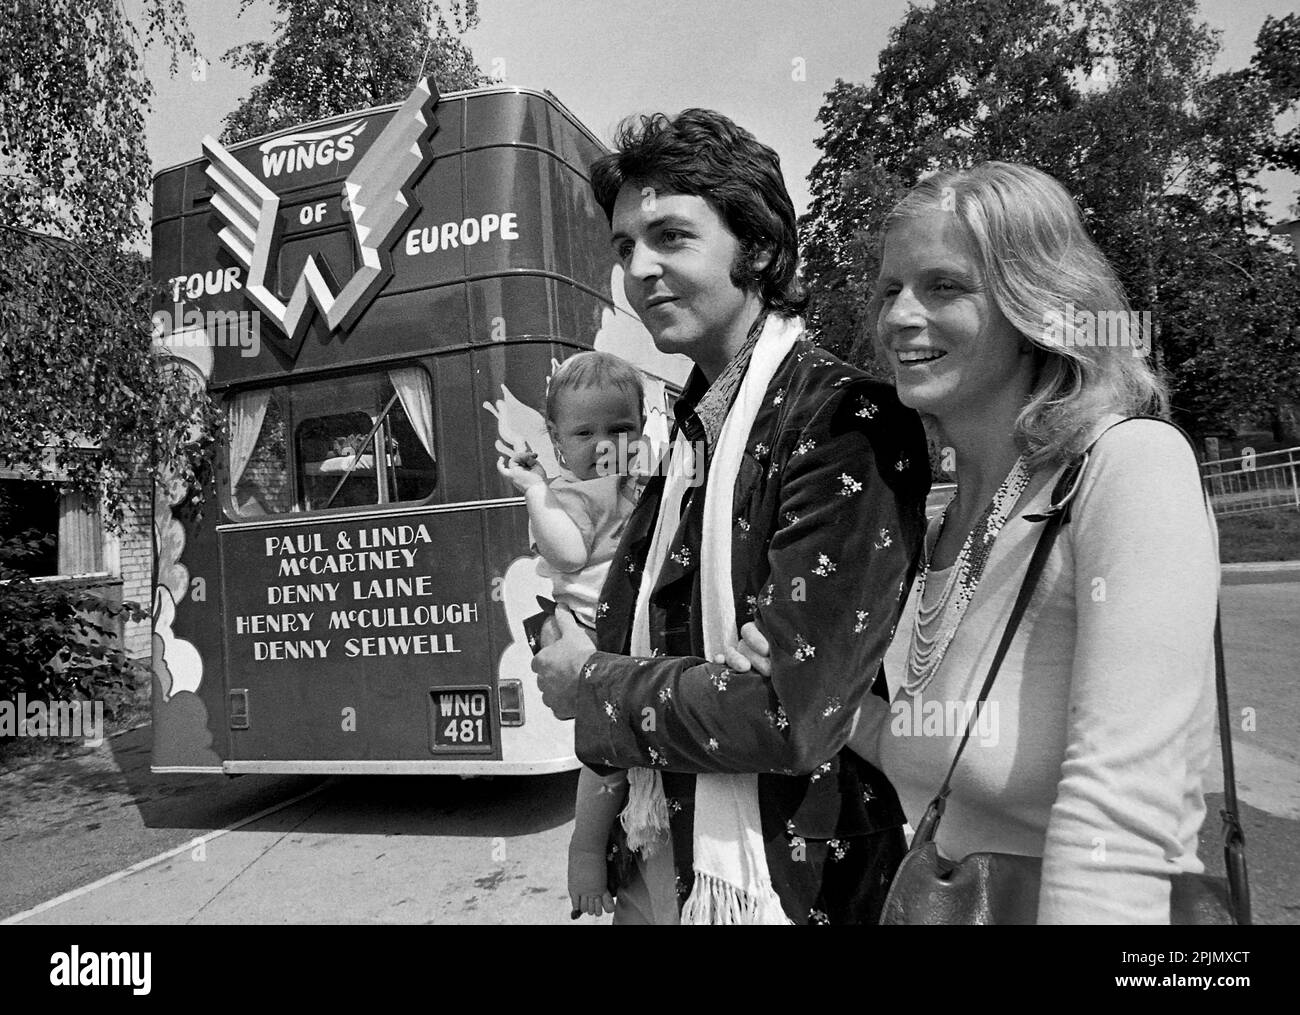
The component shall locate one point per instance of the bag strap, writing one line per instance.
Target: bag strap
(1234, 839)
(1056, 516)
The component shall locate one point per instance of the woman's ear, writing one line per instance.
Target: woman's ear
(762, 259)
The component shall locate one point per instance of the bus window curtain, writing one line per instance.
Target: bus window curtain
(247, 411)
(415, 390)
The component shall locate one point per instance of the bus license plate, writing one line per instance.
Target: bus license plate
(461, 719)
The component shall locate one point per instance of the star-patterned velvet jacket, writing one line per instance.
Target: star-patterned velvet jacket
(829, 515)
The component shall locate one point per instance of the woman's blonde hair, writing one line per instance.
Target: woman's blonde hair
(1054, 286)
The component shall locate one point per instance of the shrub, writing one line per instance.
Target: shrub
(59, 642)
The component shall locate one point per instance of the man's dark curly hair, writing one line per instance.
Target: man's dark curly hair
(701, 152)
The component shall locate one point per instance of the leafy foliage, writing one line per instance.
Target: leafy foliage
(961, 82)
(1116, 100)
(72, 118)
(83, 395)
(1232, 332)
(60, 641)
(1277, 61)
(81, 387)
(336, 56)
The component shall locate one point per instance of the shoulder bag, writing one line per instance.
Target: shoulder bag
(1002, 888)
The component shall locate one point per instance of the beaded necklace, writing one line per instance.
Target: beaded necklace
(934, 626)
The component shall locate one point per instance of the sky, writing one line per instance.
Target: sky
(765, 63)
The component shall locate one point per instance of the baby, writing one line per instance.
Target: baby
(595, 403)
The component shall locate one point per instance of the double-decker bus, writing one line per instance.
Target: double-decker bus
(377, 301)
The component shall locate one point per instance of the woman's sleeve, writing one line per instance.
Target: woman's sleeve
(1142, 681)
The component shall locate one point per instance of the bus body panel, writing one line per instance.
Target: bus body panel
(189, 727)
(347, 656)
(377, 637)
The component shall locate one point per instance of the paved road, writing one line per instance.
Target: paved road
(377, 849)
(445, 850)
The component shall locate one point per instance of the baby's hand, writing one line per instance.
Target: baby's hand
(587, 891)
(590, 905)
(522, 469)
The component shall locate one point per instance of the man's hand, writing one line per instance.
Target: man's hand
(558, 666)
(752, 652)
(522, 469)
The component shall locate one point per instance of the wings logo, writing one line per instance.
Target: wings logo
(378, 200)
(302, 151)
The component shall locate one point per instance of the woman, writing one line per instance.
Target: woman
(1097, 733)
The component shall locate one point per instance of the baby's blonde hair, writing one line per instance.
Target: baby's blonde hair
(595, 370)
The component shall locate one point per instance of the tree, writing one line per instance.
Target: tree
(1139, 134)
(1233, 354)
(336, 56)
(80, 383)
(1230, 305)
(1118, 103)
(1235, 117)
(83, 394)
(1229, 295)
(1277, 61)
(958, 83)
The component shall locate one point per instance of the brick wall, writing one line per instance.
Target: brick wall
(135, 560)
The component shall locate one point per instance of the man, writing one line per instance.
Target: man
(826, 518)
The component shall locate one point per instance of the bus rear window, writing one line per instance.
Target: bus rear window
(343, 443)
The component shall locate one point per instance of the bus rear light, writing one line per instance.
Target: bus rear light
(510, 702)
(238, 710)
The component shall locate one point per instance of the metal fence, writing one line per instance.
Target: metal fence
(1252, 482)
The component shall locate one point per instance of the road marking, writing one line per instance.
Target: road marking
(1265, 781)
(135, 868)
(1262, 565)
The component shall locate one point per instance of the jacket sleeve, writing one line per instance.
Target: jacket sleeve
(852, 492)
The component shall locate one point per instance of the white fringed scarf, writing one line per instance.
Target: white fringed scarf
(732, 883)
